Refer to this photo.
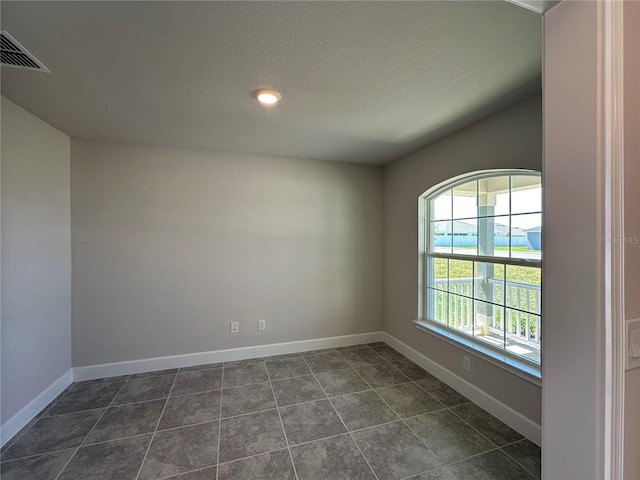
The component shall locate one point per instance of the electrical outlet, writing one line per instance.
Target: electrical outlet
(262, 324)
(466, 363)
(235, 327)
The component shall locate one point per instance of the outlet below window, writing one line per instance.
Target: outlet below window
(466, 363)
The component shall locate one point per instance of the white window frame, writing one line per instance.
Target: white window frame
(518, 365)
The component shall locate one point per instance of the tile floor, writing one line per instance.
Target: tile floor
(354, 413)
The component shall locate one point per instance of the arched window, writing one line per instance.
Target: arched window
(480, 262)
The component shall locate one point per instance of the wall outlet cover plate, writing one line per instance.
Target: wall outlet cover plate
(632, 343)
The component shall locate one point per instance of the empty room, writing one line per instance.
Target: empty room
(315, 240)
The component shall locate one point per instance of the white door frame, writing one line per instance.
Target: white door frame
(611, 203)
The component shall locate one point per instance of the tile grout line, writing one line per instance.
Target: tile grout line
(416, 475)
(474, 428)
(37, 418)
(144, 459)
(115, 439)
(281, 449)
(498, 447)
(515, 460)
(342, 421)
(412, 431)
(495, 448)
(415, 434)
(474, 456)
(220, 422)
(176, 475)
(90, 431)
(114, 406)
(67, 463)
(26, 457)
(284, 432)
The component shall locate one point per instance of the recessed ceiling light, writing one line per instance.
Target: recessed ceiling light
(267, 97)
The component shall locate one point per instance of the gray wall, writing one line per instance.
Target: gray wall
(36, 257)
(572, 392)
(509, 139)
(632, 224)
(171, 245)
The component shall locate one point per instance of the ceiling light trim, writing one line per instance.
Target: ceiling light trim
(267, 97)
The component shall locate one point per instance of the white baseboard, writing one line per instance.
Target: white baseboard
(161, 363)
(24, 416)
(506, 414)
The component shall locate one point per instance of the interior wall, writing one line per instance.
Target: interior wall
(171, 245)
(632, 224)
(572, 396)
(36, 257)
(509, 139)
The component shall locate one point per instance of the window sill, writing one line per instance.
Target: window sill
(521, 368)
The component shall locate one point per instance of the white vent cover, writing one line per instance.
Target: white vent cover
(12, 54)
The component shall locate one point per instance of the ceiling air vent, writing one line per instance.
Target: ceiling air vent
(12, 54)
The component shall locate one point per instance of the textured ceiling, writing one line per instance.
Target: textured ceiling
(363, 82)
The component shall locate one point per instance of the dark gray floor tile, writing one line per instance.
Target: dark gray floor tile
(394, 452)
(340, 382)
(120, 378)
(351, 347)
(527, 454)
(285, 356)
(376, 344)
(45, 411)
(326, 362)
(408, 400)
(87, 397)
(50, 434)
(155, 373)
(126, 421)
(297, 390)
(312, 353)
(389, 353)
(493, 465)
(197, 368)
(449, 437)
(238, 375)
(191, 409)
(240, 363)
(142, 389)
(442, 473)
(310, 421)
(247, 399)
(488, 425)
(287, 367)
(21, 432)
(41, 467)
(181, 450)
(198, 381)
(336, 458)
(382, 375)
(250, 435)
(411, 370)
(362, 357)
(268, 466)
(364, 409)
(115, 460)
(442, 392)
(203, 474)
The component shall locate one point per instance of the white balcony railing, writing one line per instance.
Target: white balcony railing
(515, 327)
